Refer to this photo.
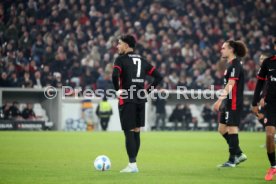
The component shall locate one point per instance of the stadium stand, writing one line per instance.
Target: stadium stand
(73, 43)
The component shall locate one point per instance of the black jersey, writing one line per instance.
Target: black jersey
(267, 73)
(235, 72)
(133, 70)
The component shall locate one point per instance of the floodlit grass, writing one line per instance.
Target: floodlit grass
(164, 157)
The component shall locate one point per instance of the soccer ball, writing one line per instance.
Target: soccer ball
(102, 163)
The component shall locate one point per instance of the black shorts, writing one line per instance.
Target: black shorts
(132, 115)
(270, 114)
(230, 117)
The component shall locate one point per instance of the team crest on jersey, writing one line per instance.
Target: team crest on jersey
(265, 120)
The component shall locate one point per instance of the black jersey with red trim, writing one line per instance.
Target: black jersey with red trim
(133, 70)
(235, 72)
(267, 73)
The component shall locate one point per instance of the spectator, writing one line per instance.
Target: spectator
(5, 109)
(177, 116)
(184, 36)
(37, 80)
(28, 112)
(188, 118)
(160, 104)
(104, 111)
(14, 81)
(4, 81)
(208, 115)
(14, 112)
(26, 81)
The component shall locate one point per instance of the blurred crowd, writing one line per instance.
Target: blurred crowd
(73, 42)
(183, 117)
(12, 111)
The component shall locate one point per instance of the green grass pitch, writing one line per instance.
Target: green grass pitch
(164, 157)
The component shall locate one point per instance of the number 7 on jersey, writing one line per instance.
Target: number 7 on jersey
(135, 61)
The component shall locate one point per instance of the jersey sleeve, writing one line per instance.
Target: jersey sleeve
(117, 71)
(235, 72)
(149, 68)
(118, 65)
(262, 74)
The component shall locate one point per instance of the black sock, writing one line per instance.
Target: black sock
(137, 139)
(233, 145)
(271, 158)
(239, 151)
(226, 137)
(130, 145)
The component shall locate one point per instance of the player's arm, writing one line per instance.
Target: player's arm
(227, 90)
(157, 79)
(117, 70)
(259, 87)
(262, 98)
(115, 79)
(234, 76)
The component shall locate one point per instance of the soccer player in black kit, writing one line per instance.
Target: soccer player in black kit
(129, 73)
(267, 75)
(230, 101)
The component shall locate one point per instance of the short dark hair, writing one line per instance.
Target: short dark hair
(239, 47)
(129, 39)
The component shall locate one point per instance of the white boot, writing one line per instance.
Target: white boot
(130, 168)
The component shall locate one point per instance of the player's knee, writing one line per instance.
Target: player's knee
(269, 135)
(222, 130)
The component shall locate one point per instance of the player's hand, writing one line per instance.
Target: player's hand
(217, 105)
(262, 103)
(255, 110)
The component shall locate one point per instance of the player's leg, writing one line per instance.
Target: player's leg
(270, 124)
(230, 133)
(232, 139)
(233, 143)
(223, 130)
(128, 119)
(270, 146)
(234, 119)
(103, 124)
(137, 139)
(140, 112)
(131, 148)
(130, 143)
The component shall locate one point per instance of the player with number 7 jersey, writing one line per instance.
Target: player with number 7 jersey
(129, 73)
(133, 69)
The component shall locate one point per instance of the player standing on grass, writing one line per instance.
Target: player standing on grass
(129, 74)
(231, 100)
(267, 74)
(260, 117)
